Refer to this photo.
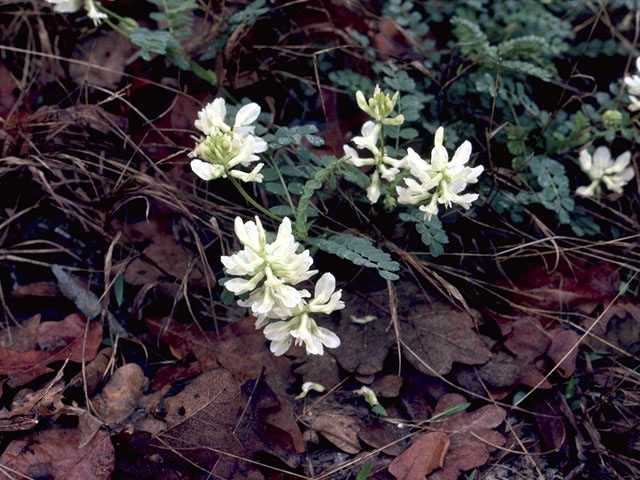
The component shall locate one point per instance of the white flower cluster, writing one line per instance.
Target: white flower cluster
(71, 6)
(441, 180)
(602, 168)
(270, 271)
(226, 147)
(379, 107)
(633, 83)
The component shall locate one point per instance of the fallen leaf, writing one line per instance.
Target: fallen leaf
(551, 425)
(243, 350)
(619, 325)
(54, 454)
(340, 429)
(109, 52)
(199, 420)
(322, 369)
(174, 373)
(36, 289)
(94, 372)
(471, 434)
(27, 410)
(528, 339)
(387, 386)
(497, 375)
(364, 347)
(561, 344)
(121, 395)
(424, 456)
(23, 337)
(58, 334)
(384, 435)
(22, 367)
(440, 335)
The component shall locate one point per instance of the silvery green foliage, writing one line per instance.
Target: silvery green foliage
(550, 187)
(359, 251)
(431, 232)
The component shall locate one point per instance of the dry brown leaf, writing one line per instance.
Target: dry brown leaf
(121, 395)
(94, 372)
(22, 367)
(471, 434)
(441, 335)
(340, 429)
(58, 334)
(381, 435)
(55, 454)
(363, 348)
(200, 418)
(424, 455)
(561, 344)
(109, 51)
(322, 369)
(23, 337)
(387, 386)
(528, 339)
(620, 325)
(26, 410)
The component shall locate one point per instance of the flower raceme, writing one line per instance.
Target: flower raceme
(226, 147)
(385, 166)
(269, 271)
(441, 180)
(379, 107)
(276, 262)
(602, 168)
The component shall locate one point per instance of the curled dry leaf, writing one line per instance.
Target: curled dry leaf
(424, 456)
(121, 395)
(55, 454)
(26, 410)
(440, 335)
(22, 367)
(471, 434)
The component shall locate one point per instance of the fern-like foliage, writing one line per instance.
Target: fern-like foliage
(551, 187)
(359, 251)
(524, 55)
(431, 232)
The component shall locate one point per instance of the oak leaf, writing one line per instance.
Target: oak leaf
(424, 456)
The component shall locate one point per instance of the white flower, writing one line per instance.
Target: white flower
(602, 168)
(277, 263)
(66, 6)
(385, 166)
(93, 13)
(633, 81)
(634, 106)
(448, 177)
(302, 329)
(224, 147)
(71, 6)
(308, 386)
(212, 118)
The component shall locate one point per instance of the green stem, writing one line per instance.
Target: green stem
(252, 201)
